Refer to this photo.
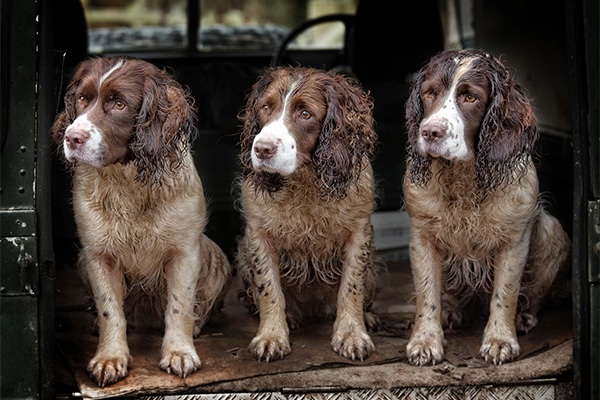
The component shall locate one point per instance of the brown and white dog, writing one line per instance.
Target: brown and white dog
(471, 190)
(140, 211)
(307, 195)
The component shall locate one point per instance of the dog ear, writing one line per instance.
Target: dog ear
(165, 127)
(68, 114)
(250, 119)
(419, 167)
(508, 132)
(251, 127)
(414, 107)
(347, 137)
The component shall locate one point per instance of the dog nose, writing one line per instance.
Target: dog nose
(75, 139)
(432, 131)
(264, 150)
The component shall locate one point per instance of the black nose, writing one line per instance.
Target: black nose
(75, 139)
(265, 149)
(432, 131)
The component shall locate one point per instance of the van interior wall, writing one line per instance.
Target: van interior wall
(531, 39)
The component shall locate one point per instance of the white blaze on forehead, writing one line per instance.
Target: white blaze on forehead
(449, 116)
(277, 133)
(107, 74)
(288, 95)
(463, 66)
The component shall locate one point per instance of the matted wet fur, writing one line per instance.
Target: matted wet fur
(307, 195)
(478, 225)
(140, 211)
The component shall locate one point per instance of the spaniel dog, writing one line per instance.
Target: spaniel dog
(307, 195)
(471, 191)
(140, 211)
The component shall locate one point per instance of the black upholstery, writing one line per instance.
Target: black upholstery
(387, 48)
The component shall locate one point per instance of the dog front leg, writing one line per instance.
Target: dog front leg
(112, 358)
(179, 356)
(426, 344)
(272, 339)
(499, 338)
(350, 338)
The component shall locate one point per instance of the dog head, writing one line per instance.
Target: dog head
(298, 118)
(464, 105)
(120, 109)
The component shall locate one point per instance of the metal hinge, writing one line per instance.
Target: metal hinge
(19, 266)
(23, 261)
(594, 241)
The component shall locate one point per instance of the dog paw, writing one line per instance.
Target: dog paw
(372, 322)
(525, 322)
(499, 350)
(451, 318)
(270, 348)
(180, 363)
(293, 320)
(354, 345)
(108, 370)
(425, 348)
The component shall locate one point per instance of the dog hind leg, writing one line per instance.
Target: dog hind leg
(547, 265)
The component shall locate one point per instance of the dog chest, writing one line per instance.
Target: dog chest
(115, 212)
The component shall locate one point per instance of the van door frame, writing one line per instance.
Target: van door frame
(27, 107)
(27, 56)
(583, 42)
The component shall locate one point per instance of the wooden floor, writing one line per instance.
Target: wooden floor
(312, 366)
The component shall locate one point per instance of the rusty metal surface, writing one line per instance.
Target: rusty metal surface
(562, 391)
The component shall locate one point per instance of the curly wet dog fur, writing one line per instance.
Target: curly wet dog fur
(307, 195)
(478, 225)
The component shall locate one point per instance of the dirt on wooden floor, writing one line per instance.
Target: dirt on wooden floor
(227, 366)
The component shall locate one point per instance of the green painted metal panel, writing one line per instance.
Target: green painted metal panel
(592, 37)
(19, 378)
(19, 271)
(17, 222)
(18, 153)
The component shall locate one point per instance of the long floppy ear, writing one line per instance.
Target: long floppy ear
(67, 116)
(418, 166)
(347, 138)
(165, 127)
(508, 132)
(251, 127)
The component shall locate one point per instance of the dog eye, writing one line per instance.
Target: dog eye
(429, 94)
(264, 109)
(119, 105)
(82, 100)
(305, 114)
(469, 98)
